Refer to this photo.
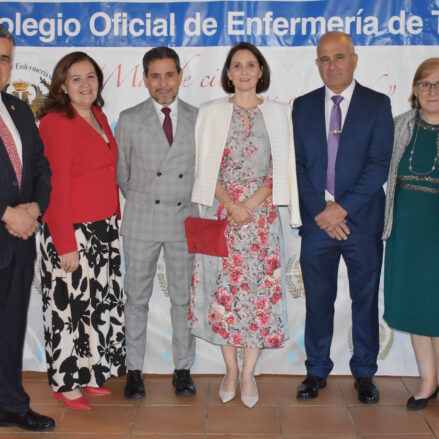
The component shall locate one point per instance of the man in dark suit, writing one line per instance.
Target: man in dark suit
(343, 137)
(24, 195)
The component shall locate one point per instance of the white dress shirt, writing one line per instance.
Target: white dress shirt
(173, 114)
(12, 128)
(344, 107)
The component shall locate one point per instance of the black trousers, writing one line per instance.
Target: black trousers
(15, 286)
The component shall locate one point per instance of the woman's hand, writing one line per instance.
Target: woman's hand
(240, 215)
(70, 261)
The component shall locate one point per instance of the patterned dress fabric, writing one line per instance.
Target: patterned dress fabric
(238, 300)
(83, 310)
(411, 276)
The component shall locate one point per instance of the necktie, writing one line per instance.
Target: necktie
(11, 148)
(167, 125)
(333, 140)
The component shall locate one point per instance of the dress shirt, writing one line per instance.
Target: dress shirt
(12, 128)
(344, 107)
(173, 114)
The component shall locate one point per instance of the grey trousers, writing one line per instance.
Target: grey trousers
(141, 263)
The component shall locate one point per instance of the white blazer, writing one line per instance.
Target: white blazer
(211, 131)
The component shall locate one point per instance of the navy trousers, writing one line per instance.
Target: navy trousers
(319, 260)
(15, 286)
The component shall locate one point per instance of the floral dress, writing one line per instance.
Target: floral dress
(238, 300)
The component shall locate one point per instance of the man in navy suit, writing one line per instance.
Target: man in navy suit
(343, 138)
(24, 195)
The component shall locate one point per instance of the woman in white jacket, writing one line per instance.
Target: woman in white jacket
(245, 168)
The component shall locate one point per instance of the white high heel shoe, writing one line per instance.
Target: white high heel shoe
(226, 396)
(249, 401)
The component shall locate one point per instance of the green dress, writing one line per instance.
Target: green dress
(411, 270)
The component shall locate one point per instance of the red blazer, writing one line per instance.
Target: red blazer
(83, 175)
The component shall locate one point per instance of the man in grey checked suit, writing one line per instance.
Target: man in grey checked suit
(155, 173)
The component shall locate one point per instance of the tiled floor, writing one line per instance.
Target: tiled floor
(335, 414)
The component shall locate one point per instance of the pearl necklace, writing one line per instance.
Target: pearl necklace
(419, 122)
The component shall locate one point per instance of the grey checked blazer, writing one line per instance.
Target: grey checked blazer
(404, 124)
(155, 179)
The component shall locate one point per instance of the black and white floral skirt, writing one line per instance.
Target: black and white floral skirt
(84, 327)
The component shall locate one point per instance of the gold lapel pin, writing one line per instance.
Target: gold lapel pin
(13, 107)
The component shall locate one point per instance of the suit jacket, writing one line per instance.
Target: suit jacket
(35, 184)
(84, 175)
(155, 179)
(362, 160)
(211, 132)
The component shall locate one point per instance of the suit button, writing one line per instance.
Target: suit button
(14, 183)
(159, 174)
(157, 201)
(179, 203)
(180, 176)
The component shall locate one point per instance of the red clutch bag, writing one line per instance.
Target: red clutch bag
(206, 236)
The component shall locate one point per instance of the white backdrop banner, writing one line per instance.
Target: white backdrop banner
(391, 39)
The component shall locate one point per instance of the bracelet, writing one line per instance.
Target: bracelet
(230, 206)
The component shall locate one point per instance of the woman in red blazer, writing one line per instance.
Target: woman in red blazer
(81, 277)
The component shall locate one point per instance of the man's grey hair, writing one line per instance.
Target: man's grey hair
(338, 34)
(4, 33)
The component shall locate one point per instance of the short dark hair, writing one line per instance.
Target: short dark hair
(264, 81)
(57, 100)
(424, 69)
(161, 52)
(4, 33)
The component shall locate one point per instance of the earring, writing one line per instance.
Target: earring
(230, 83)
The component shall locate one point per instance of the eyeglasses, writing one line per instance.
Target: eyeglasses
(427, 86)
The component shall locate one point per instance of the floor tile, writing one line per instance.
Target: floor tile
(316, 420)
(159, 391)
(265, 389)
(242, 420)
(392, 391)
(30, 375)
(54, 411)
(100, 419)
(286, 389)
(243, 436)
(381, 419)
(27, 435)
(166, 436)
(321, 436)
(431, 414)
(39, 391)
(88, 436)
(398, 436)
(171, 419)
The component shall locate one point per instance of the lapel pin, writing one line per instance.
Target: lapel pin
(13, 107)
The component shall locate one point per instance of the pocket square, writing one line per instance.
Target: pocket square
(206, 236)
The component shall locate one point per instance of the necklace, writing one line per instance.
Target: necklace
(420, 122)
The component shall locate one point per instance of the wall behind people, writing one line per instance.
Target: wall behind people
(390, 43)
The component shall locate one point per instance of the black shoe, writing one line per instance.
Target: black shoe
(367, 390)
(183, 383)
(421, 403)
(28, 420)
(134, 387)
(309, 387)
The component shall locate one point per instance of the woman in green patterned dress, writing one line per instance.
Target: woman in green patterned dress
(411, 276)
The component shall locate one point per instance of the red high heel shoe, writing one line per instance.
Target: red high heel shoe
(78, 403)
(96, 391)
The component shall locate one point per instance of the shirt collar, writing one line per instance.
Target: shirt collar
(346, 93)
(173, 107)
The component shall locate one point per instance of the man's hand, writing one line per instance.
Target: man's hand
(70, 261)
(20, 220)
(332, 221)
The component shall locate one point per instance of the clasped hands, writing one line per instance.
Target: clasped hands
(240, 215)
(21, 221)
(333, 221)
